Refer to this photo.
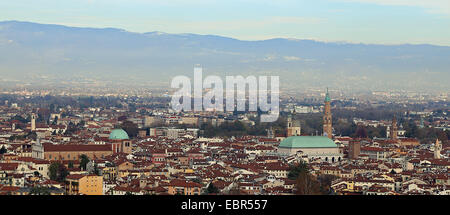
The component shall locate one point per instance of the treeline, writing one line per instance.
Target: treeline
(238, 128)
(425, 135)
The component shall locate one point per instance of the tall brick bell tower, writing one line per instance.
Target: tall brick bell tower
(327, 126)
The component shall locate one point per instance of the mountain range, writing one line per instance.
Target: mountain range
(45, 53)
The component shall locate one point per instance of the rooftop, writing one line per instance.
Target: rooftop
(118, 134)
(307, 142)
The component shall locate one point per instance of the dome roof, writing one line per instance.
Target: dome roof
(307, 142)
(118, 134)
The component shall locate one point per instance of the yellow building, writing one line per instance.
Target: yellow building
(78, 184)
(109, 173)
(184, 187)
(344, 186)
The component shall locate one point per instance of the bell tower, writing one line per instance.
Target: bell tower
(437, 150)
(33, 122)
(293, 127)
(289, 126)
(393, 131)
(327, 119)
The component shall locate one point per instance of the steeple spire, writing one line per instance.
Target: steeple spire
(327, 96)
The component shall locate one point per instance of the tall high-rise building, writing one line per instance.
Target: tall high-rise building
(327, 125)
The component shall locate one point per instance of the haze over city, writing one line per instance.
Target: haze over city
(345, 44)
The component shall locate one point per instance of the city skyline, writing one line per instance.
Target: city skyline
(196, 103)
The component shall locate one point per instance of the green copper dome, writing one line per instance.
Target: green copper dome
(327, 97)
(118, 134)
(307, 142)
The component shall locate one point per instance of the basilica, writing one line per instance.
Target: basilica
(312, 147)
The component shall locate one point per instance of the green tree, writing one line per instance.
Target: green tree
(211, 189)
(361, 132)
(295, 170)
(36, 173)
(131, 128)
(84, 160)
(96, 170)
(3, 150)
(306, 184)
(57, 172)
(20, 118)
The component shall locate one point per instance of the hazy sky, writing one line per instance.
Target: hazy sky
(367, 21)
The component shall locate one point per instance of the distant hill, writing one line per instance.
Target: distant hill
(32, 52)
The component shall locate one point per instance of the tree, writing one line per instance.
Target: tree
(197, 180)
(58, 172)
(84, 160)
(70, 165)
(96, 170)
(20, 119)
(325, 183)
(36, 173)
(374, 132)
(131, 128)
(211, 189)
(307, 184)
(295, 171)
(361, 132)
(31, 135)
(3, 150)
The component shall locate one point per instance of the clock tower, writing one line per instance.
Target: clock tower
(327, 126)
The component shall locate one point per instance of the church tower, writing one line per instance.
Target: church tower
(33, 122)
(293, 127)
(327, 126)
(270, 133)
(437, 150)
(393, 131)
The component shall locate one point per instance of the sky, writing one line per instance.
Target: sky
(355, 21)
